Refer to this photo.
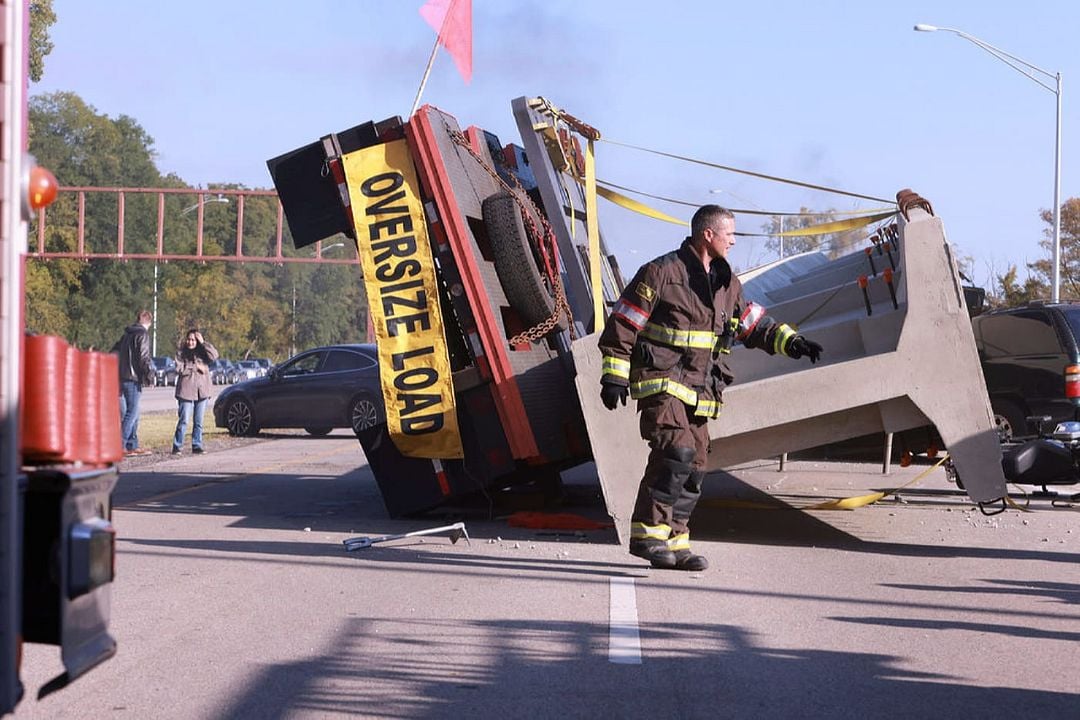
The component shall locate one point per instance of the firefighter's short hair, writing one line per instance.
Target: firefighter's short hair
(707, 216)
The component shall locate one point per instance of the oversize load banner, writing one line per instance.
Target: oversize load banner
(403, 299)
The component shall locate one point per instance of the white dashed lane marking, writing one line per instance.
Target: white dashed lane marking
(624, 641)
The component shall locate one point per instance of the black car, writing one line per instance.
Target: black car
(164, 371)
(318, 390)
(1031, 362)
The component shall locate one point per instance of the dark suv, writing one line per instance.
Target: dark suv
(1031, 362)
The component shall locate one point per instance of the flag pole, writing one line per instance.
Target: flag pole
(423, 80)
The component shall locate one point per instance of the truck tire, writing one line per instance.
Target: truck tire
(516, 263)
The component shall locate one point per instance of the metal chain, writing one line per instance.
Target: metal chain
(540, 331)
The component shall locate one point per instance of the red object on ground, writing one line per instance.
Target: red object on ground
(555, 521)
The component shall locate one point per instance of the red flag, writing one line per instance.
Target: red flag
(452, 19)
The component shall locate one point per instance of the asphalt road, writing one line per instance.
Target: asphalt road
(235, 599)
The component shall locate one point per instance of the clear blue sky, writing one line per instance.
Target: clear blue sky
(836, 93)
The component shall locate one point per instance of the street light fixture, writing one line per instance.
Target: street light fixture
(205, 199)
(1019, 66)
(318, 252)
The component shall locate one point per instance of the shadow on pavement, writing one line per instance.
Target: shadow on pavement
(440, 668)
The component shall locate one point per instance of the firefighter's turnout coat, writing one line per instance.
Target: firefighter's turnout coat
(674, 322)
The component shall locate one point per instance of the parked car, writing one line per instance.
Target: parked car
(1031, 362)
(222, 372)
(318, 390)
(248, 370)
(265, 364)
(164, 371)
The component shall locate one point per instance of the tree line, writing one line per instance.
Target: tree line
(246, 310)
(1007, 289)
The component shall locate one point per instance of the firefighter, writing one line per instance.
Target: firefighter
(663, 345)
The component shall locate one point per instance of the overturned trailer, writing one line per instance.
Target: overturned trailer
(504, 229)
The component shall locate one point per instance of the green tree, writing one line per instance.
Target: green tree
(246, 309)
(832, 244)
(1009, 291)
(89, 303)
(42, 18)
(1070, 251)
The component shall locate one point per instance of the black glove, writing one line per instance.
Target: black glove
(800, 347)
(612, 394)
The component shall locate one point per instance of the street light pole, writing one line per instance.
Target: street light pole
(780, 237)
(1015, 63)
(153, 343)
(292, 342)
(317, 253)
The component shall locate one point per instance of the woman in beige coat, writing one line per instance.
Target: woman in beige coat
(193, 360)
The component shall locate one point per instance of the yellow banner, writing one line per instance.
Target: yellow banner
(403, 299)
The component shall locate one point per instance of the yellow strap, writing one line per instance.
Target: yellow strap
(744, 211)
(858, 501)
(593, 232)
(635, 206)
(837, 225)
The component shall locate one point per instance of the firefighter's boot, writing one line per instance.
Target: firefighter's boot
(685, 559)
(650, 542)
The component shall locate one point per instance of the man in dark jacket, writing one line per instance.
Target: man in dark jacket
(136, 370)
(663, 345)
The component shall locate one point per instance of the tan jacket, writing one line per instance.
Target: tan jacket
(675, 321)
(193, 372)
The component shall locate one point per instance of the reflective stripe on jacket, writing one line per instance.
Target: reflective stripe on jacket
(674, 320)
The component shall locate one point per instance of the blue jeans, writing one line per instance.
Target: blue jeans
(130, 393)
(184, 413)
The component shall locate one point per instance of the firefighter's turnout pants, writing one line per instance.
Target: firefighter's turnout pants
(678, 448)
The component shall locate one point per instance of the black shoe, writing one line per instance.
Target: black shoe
(176, 451)
(197, 450)
(655, 551)
(686, 560)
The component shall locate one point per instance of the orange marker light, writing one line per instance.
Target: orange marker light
(43, 187)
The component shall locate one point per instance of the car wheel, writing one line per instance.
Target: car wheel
(318, 431)
(363, 414)
(1009, 420)
(240, 418)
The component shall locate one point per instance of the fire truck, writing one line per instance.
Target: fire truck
(58, 439)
